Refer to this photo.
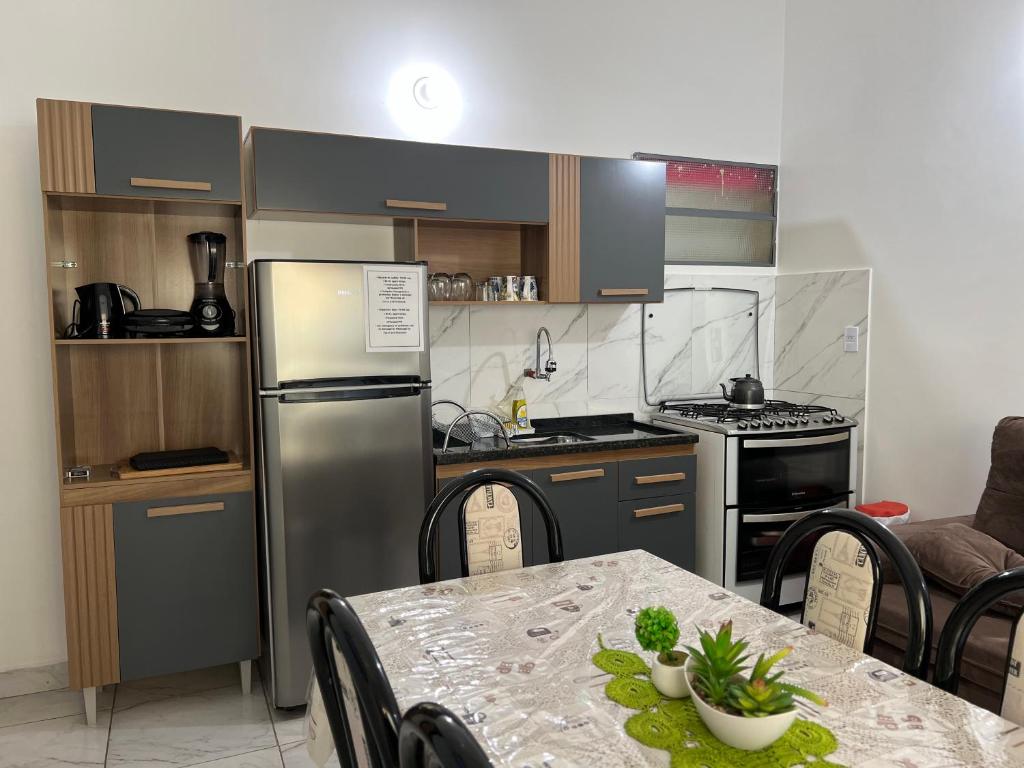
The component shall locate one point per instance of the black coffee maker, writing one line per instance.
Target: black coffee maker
(99, 311)
(210, 307)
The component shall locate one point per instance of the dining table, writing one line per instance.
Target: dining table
(512, 654)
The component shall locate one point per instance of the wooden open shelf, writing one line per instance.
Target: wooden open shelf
(486, 303)
(154, 340)
(103, 487)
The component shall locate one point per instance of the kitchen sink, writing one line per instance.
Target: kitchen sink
(550, 438)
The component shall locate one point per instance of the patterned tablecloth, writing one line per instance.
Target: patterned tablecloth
(510, 653)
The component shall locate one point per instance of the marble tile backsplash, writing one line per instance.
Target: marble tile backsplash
(478, 353)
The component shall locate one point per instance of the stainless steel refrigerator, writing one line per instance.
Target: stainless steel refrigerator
(344, 455)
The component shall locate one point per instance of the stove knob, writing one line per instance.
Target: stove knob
(827, 419)
(755, 425)
(792, 422)
(805, 420)
(779, 423)
(742, 425)
(839, 419)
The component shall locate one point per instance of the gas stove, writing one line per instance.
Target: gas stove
(776, 416)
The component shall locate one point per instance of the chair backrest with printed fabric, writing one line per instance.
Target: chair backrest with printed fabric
(353, 712)
(492, 538)
(842, 584)
(1013, 694)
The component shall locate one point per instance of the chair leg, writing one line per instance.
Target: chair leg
(89, 694)
(245, 667)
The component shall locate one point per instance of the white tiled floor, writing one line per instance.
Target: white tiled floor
(196, 718)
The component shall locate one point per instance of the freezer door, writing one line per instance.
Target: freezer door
(310, 326)
(347, 477)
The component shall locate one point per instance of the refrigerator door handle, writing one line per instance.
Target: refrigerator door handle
(367, 393)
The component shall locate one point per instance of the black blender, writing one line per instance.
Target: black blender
(210, 307)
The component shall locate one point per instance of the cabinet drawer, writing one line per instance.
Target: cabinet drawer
(159, 153)
(664, 526)
(583, 498)
(186, 583)
(646, 478)
(324, 173)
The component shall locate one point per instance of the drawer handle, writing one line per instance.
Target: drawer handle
(671, 477)
(623, 292)
(197, 186)
(185, 509)
(662, 510)
(425, 205)
(583, 474)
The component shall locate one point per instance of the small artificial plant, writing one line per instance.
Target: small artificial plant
(657, 630)
(718, 678)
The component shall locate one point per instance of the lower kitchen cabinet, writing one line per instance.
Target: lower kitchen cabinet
(186, 583)
(664, 526)
(450, 533)
(584, 498)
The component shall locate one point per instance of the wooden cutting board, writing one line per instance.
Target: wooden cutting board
(125, 471)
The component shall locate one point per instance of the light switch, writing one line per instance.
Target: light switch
(851, 339)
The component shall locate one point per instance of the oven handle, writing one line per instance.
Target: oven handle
(779, 517)
(796, 442)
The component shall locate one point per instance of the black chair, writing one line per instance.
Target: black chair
(364, 719)
(871, 535)
(961, 621)
(478, 481)
(431, 736)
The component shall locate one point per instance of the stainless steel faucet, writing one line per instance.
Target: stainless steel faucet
(549, 367)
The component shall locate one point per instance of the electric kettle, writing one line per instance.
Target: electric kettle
(100, 309)
(747, 392)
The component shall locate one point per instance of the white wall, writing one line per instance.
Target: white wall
(609, 78)
(903, 150)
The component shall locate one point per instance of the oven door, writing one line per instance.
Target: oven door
(759, 530)
(793, 469)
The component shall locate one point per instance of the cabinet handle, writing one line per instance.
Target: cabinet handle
(198, 186)
(185, 509)
(623, 292)
(425, 205)
(663, 510)
(583, 474)
(671, 477)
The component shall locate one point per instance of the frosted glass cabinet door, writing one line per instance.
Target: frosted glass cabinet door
(622, 230)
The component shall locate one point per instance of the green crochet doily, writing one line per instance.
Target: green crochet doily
(675, 726)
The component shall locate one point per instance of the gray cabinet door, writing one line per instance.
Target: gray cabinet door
(325, 173)
(584, 497)
(667, 476)
(186, 583)
(622, 230)
(161, 149)
(450, 533)
(664, 526)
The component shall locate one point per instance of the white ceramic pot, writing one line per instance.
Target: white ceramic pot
(749, 733)
(670, 681)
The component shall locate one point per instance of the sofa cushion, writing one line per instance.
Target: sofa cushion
(1001, 509)
(956, 557)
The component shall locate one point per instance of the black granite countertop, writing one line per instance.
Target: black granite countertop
(611, 432)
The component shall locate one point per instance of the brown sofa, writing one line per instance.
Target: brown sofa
(954, 558)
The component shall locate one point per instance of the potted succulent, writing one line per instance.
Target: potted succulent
(657, 631)
(746, 711)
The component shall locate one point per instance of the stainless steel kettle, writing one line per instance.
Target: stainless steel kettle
(747, 392)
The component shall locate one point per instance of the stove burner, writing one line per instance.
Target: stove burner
(777, 413)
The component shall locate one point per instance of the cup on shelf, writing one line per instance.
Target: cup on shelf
(439, 286)
(496, 283)
(462, 287)
(484, 291)
(510, 288)
(528, 288)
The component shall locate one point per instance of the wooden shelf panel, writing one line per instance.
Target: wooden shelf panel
(103, 488)
(486, 303)
(168, 340)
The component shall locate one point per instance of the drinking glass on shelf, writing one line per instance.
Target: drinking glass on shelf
(440, 286)
(496, 284)
(484, 291)
(462, 287)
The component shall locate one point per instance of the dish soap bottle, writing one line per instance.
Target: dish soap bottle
(520, 420)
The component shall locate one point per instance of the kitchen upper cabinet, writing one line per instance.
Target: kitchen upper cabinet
(186, 583)
(326, 173)
(158, 153)
(584, 498)
(621, 230)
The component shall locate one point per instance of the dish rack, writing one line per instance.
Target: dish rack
(476, 426)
